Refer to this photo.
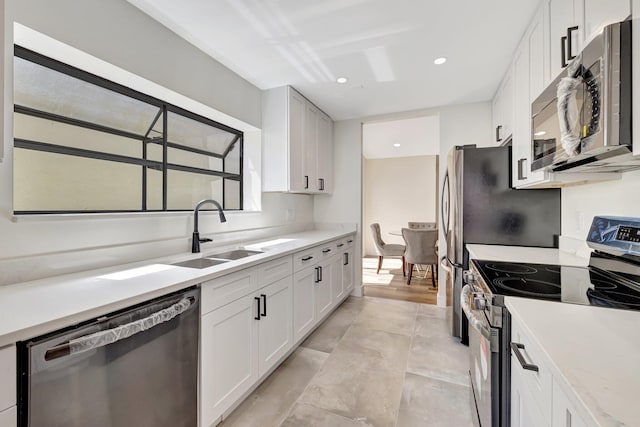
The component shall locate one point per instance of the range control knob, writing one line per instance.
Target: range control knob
(469, 277)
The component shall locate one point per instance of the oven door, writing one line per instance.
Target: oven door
(481, 366)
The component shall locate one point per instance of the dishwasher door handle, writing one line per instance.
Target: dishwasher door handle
(110, 336)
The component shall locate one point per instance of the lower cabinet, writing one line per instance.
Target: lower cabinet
(524, 411)
(9, 417)
(563, 413)
(241, 341)
(229, 362)
(304, 314)
(322, 287)
(348, 280)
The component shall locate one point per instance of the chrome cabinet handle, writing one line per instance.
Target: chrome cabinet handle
(515, 347)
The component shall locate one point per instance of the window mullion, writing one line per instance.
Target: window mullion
(165, 179)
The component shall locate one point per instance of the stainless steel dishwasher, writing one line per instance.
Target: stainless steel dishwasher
(136, 367)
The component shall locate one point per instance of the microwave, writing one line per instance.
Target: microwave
(582, 120)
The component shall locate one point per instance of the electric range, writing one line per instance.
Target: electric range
(612, 280)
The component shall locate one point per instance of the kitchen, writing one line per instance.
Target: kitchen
(37, 247)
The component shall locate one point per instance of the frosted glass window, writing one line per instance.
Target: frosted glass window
(85, 144)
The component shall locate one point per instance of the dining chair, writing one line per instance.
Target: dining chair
(386, 249)
(420, 249)
(422, 225)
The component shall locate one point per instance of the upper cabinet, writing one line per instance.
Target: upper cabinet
(297, 142)
(502, 110)
(573, 23)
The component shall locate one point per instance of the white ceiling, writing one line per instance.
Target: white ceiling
(418, 136)
(386, 48)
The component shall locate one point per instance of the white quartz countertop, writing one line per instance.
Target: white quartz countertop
(525, 254)
(38, 307)
(593, 350)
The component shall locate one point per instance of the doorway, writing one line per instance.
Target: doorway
(400, 185)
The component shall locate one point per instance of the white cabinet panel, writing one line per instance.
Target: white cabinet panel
(562, 16)
(322, 289)
(310, 165)
(274, 270)
(9, 417)
(303, 302)
(337, 284)
(7, 377)
(524, 412)
(229, 362)
(325, 153)
(275, 328)
(564, 414)
(598, 14)
(348, 280)
(297, 135)
(223, 290)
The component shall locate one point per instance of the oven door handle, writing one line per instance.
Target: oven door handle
(515, 348)
(110, 336)
(475, 321)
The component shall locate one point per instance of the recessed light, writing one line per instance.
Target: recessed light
(440, 61)
(396, 145)
(539, 133)
(342, 80)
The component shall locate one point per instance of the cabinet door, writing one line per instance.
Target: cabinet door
(297, 135)
(347, 271)
(310, 148)
(303, 302)
(524, 412)
(561, 18)
(276, 332)
(325, 154)
(506, 98)
(496, 117)
(229, 356)
(9, 417)
(598, 14)
(322, 289)
(563, 413)
(337, 282)
(521, 133)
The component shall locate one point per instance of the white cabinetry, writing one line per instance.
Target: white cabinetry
(9, 417)
(502, 109)
(275, 331)
(304, 316)
(348, 281)
(564, 414)
(573, 23)
(297, 140)
(8, 376)
(538, 398)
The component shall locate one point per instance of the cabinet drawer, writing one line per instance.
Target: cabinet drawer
(349, 241)
(305, 258)
(274, 270)
(9, 417)
(223, 290)
(8, 376)
(327, 250)
(538, 384)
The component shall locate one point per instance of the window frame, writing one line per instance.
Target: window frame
(163, 166)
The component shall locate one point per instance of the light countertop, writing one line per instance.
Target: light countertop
(525, 254)
(41, 306)
(593, 350)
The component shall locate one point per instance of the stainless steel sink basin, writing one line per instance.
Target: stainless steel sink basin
(235, 254)
(200, 262)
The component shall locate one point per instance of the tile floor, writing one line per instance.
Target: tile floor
(373, 362)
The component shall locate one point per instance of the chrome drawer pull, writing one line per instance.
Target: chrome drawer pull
(515, 347)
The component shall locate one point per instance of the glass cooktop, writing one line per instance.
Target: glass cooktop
(577, 285)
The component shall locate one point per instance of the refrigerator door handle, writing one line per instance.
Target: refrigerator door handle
(445, 187)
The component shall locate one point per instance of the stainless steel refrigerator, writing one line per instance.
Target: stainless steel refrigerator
(480, 206)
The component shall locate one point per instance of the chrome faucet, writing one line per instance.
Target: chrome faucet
(196, 240)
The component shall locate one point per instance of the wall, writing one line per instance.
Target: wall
(582, 202)
(120, 34)
(398, 190)
(459, 125)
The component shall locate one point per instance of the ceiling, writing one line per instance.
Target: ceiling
(417, 136)
(385, 48)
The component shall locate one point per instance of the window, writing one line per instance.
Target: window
(85, 144)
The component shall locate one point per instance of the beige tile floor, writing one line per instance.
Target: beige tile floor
(373, 362)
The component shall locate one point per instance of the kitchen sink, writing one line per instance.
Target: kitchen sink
(235, 254)
(200, 262)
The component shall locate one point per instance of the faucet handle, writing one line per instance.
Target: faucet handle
(205, 240)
